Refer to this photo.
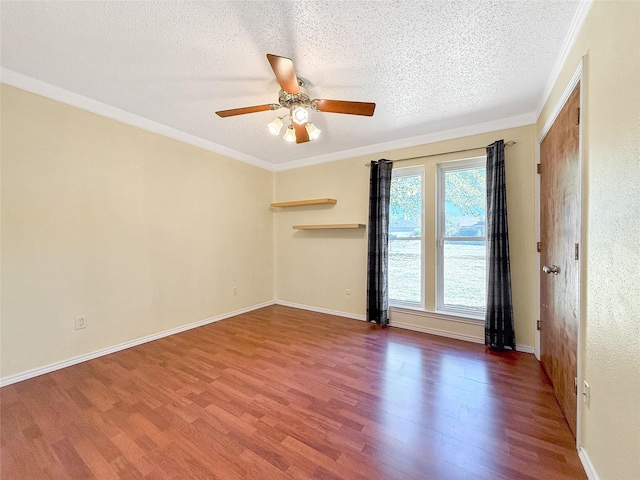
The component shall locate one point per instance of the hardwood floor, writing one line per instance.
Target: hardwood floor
(281, 393)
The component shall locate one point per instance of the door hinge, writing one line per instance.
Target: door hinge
(575, 385)
(538, 168)
(578, 116)
(577, 251)
(538, 325)
(538, 246)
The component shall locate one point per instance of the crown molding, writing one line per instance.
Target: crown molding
(44, 89)
(476, 129)
(568, 90)
(574, 29)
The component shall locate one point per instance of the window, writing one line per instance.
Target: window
(461, 251)
(405, 237)
(437, 238)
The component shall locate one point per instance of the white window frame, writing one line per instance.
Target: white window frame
(417, 170)
(444, 168)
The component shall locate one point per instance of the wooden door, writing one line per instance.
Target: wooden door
(560, 219)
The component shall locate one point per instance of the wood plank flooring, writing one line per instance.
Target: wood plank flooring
(281, 393)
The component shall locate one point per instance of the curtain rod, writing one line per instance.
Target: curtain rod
(506, 144)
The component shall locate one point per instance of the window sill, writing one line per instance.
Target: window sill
(439, 315)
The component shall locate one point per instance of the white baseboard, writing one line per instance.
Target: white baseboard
(435, 331)
(458, 336)
(19, 377)
(320, 310)
(432, 331)
(587, 465)
(525, 348)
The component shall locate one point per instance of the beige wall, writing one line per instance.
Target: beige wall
(138, 232)
(315, 268)
(143, 234)
(610, 39)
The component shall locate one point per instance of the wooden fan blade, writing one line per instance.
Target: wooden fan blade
(242, 111)
(286, 75)
(301, 133)
(341, 106)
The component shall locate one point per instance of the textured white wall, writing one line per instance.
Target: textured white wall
(610, 39)
(138, 232)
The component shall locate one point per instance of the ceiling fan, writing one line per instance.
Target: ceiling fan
(294, 96)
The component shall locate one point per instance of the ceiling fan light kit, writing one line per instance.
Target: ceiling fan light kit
(290, 134)
(299, 114)
(275, 126)
(294, 97)
(313, 131)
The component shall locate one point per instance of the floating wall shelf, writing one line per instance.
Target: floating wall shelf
(329, 226)
(300, 203)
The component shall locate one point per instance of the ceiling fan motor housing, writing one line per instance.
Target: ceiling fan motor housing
(292, 100)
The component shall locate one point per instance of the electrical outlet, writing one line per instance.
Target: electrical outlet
(586, 394)
(234, 291)
(81, 322)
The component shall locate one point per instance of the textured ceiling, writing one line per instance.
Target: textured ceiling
(428, 65)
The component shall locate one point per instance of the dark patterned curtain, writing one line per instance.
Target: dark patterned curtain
(377, 264)
(498, 325)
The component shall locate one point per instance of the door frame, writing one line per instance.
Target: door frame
(578, 76)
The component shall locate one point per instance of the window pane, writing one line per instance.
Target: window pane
(405, 206)
(465, 192)
(405, 270)
(405, 231)
(464, 274)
